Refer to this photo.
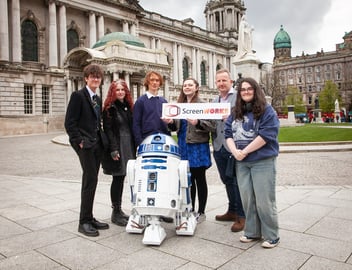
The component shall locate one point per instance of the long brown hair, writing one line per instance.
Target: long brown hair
(111, 96)
(182, 98)
(258, 103)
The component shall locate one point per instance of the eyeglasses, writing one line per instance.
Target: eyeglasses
(93, 77)
(249, 89)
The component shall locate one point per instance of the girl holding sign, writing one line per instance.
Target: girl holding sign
(193, 139)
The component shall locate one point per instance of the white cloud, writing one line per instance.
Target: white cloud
(311, 24)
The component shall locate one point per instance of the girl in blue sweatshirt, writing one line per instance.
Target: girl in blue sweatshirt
(251, 133)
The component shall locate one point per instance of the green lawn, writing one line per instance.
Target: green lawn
(316, 133)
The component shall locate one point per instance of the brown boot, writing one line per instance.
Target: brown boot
(238, 225)
(228, 216)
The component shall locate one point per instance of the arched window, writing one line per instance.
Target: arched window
(72, 39)
(29, 36)
(185, 68)
(218, 66)
(203, 77)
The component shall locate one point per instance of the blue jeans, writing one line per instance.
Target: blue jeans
(257, 182)
(233, 194)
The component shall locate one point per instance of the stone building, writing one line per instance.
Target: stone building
(309, 72)
(44, 45)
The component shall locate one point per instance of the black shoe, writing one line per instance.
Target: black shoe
(118, 219)
(99, 225)
(166, 219)
(88, 229)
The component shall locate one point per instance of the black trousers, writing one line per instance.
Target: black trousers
(90, 162)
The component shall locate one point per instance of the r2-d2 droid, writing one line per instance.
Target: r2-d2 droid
(160, 186)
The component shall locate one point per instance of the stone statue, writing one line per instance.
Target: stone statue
(316, 103)
(337, 106)
(244, 38)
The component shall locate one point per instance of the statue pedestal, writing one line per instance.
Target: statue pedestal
(317, 114)
(337, 117)
(248, 66)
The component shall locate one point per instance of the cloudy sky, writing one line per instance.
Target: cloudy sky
(311, 24)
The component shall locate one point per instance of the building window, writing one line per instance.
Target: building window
(72, 39)
(203, 77)
(45, 100)
(29, 36)
(309, 88)
(310, 100)
(185, 69)
(28, 99)
(338, 76)
(218, 66)
(300, 88)
(318, 79)
(309, 79)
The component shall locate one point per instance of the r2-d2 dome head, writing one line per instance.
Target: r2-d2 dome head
(159, 143)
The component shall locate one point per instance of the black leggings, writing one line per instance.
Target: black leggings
(199, 182)
(116, 189)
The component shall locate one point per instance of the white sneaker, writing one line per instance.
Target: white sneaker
(247, 239)
(200, 218)
(270, 243)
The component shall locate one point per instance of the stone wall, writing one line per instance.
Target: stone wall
(30, 125)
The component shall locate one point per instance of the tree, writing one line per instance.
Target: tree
(293, 97)
(328, 96)
(272, 88)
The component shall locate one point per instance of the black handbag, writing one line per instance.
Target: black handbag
(231, 167)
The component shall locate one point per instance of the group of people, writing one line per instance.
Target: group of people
(108, 134)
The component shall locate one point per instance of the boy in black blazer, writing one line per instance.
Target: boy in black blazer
(83, 126)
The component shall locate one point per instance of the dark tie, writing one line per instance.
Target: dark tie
(96, 106)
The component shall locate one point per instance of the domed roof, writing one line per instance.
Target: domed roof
(282, 39)
(125, 37)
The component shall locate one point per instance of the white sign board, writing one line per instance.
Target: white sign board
(196, 110)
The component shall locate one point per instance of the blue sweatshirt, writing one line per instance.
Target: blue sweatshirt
(147, 118)
(244, 132)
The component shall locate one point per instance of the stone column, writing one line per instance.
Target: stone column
(133, 29)
(194, 63)
(221, 19)
(4, 32)
(101, 27)
(115, 76)
(179, 60)
(92, 29)
(152, 43)
(69, 90)
(158, 44)
(232, 67)
(125, 27)
(224, 62)
(207, 19)
(166, 88)
(52, 35)
(198, 64)
(175, 71)
(127, 79)
(211, 74)
(16, 32)
(63, 34)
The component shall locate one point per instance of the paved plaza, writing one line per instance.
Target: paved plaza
(39, 207)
